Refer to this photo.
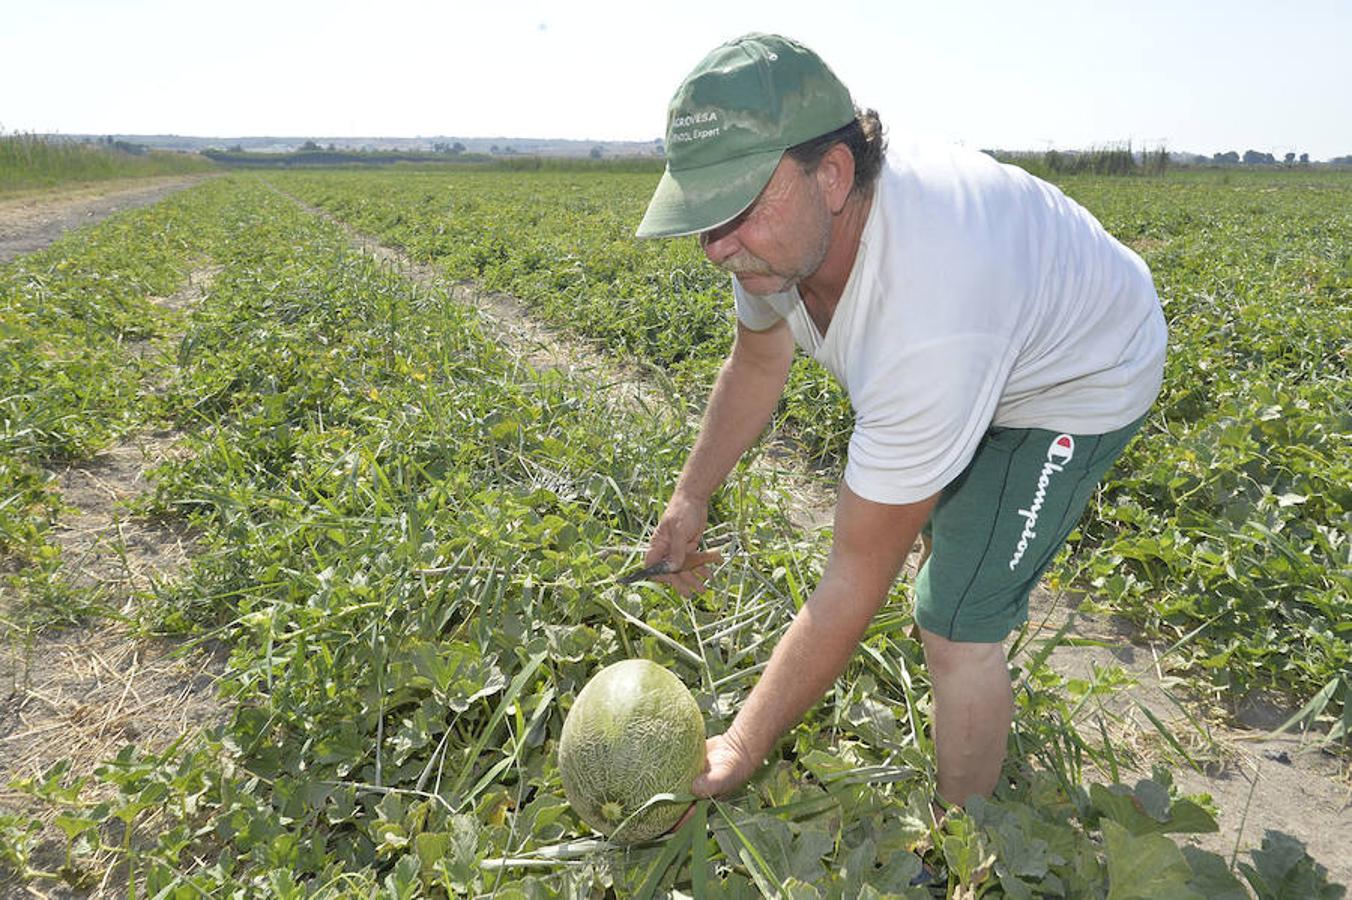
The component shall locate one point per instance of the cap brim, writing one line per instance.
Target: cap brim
(695, 200)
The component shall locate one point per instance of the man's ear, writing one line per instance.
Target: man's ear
(835, 176)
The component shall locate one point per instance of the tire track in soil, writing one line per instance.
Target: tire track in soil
(1258, 780)
(82, 693)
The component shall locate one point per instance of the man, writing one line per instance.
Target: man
(998, 346)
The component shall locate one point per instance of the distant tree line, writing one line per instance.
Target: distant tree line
(1255, 158)
(108, 142)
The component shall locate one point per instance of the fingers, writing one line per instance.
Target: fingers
(694, 573)
(719, 780)
(711, 557)
(700, 786)
(678, 532)
(688, 582)
(703, 786)
(726, 768)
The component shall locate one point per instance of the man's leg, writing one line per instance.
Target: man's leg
(995, 529)
(973, 709)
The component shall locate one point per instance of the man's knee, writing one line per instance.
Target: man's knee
(946, 657)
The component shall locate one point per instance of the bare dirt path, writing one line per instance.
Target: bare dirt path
(1258, 780)
(31, 221)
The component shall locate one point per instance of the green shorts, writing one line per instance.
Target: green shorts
(1000, 523)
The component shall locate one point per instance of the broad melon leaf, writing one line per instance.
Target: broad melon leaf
(458, 673)
(1153, 799)
(896, 875)
(1145, 867)
(965, 850)
(870, 892)
(1018, 849)
(1014, 888)
(789, 855)
(1212, 877)
(1139, 810)
(404, 883)
(859, 866)
(1282, 870)
(812, 842)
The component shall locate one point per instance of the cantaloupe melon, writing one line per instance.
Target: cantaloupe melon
(633, 732)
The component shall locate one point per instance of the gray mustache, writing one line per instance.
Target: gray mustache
(744, 264)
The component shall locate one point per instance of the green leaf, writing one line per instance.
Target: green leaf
(74, 826)
(458, 673)
(1145, 867)
(1144, 811)
(1282, 870)
(812, 842)
(965, 850)
(737, 845)
(1211, 877)
(1019, 850)
(403, 883)
(672, 848)
(896, 875)
(699, 850)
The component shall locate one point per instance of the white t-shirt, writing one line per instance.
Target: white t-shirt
(980, 296)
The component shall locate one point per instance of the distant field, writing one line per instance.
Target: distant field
(29, 163)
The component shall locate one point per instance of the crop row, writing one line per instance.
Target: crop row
(1225, 527)
(80, 336)
(407, 541)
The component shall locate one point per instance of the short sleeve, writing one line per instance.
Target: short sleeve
(920, 414)
(756, 313)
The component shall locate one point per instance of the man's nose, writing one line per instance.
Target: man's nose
(719, 243)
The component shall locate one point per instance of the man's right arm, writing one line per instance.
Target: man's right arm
(743, 399)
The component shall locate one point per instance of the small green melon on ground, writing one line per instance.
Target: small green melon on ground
(633, 732)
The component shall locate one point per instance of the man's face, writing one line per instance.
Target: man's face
(780, 239)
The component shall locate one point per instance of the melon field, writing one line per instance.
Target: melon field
(409, 427)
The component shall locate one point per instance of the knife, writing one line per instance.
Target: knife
(664, 567)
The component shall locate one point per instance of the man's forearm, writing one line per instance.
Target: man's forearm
(740, 406)
(870, 543)
(805, 663)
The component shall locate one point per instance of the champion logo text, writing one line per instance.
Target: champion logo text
(1059, 452)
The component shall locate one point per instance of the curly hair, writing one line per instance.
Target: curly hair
(866, 142)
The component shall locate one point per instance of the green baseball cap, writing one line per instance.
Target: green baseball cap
(729, 123)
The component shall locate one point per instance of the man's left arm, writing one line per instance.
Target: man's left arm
(870, 544)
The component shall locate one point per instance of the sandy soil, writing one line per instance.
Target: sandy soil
(1258, 780)
(31, 221)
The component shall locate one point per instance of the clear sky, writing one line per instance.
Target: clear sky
(1198, 75)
